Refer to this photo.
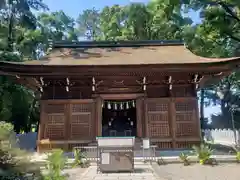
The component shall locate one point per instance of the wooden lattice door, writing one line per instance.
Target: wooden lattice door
(82, 120)
(54, 121)
(186, 117)
(157, 117)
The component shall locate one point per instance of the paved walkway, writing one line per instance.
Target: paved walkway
(141, 172)
(224, 171)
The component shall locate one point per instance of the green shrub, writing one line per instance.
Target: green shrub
(203, 153)
(56, 162)
(238, 156)
(237, 150)
(80, 159)
(185, 159)
(15, 163)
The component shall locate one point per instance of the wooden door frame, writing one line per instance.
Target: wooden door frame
(101, 97)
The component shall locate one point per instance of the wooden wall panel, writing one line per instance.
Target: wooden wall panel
(81, 123)
(67, 119)
(54, 121)
(183, 91)
(186, 118)
(157, 117)
(172, 122)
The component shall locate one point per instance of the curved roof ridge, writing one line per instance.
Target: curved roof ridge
(219, 59)
(109, 44)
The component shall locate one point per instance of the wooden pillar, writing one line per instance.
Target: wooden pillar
(93, 124)
(145, 111)
(139, 108)
(172, 119)
(98, 116)
(40, 126)
(197, 119)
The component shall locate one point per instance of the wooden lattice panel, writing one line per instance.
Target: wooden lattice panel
(185, 106)
(186, 121)
(81, 120)
(54, 132)
(158, 125)
(185, 129)
(56, 119)
(184, 116)
(158, 120)
(82, 107)
(55, 127)
(161, 130)
(157, 106)
(80, 126)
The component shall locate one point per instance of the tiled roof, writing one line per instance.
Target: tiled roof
(143, 55)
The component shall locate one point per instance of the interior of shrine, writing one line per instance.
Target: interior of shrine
(119, 118)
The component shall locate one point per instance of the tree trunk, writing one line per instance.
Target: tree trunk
(10, 31)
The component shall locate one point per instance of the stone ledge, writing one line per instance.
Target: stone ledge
(168, 159)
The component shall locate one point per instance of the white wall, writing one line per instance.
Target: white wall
(222, 136)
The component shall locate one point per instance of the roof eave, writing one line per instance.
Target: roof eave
(7, 68)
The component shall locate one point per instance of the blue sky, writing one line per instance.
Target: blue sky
(74, 7)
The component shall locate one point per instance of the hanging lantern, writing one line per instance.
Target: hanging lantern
(115, 106)
(121, 106)
(109, 105)
(131, 123)
(110, 123)
(133, 103)
(127, 105)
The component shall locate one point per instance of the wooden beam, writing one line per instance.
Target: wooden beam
(66, 101)
(119, 96)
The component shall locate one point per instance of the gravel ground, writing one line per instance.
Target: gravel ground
(226, 171)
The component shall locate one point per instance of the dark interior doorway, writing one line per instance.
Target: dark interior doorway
(119, 118)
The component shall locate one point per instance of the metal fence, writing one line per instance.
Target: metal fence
(91, 153)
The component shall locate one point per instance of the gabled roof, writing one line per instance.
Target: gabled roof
(122, 53)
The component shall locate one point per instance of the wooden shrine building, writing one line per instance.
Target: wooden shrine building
(142, 89)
